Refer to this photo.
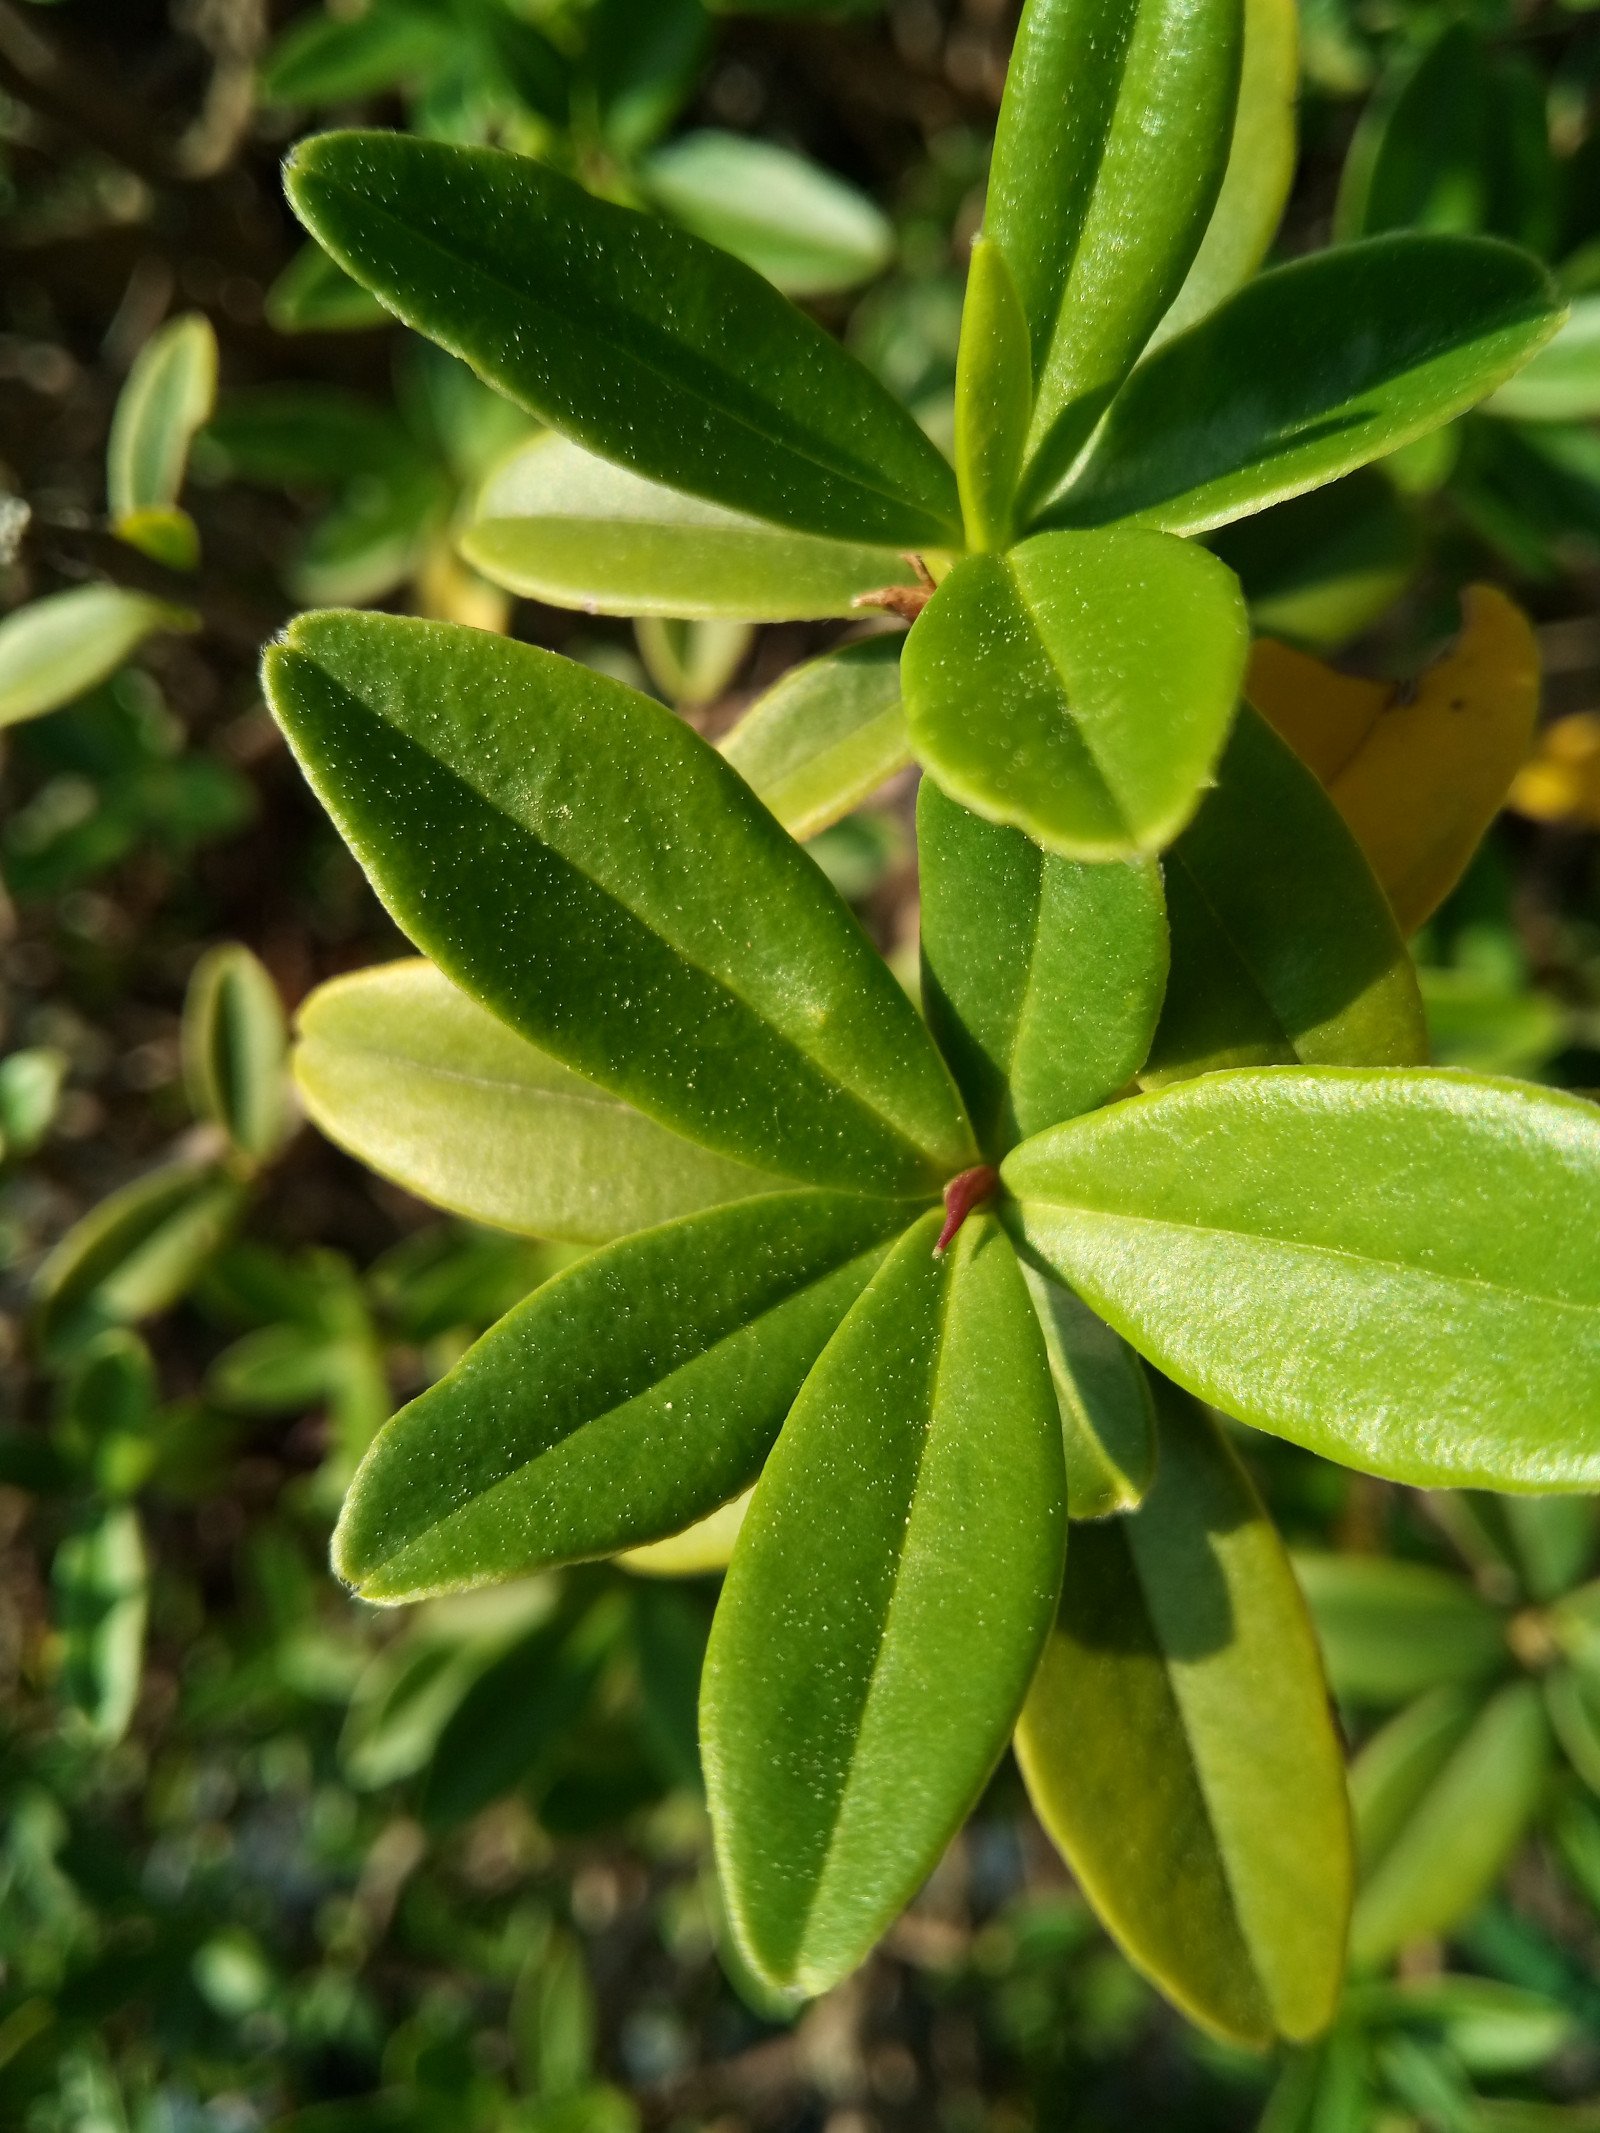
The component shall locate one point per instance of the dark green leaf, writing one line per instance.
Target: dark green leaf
(335, 58)
(314, 294)
(887, 1599)
(101, 1594)
(637, 339)
(650, 924)
(234, 1045)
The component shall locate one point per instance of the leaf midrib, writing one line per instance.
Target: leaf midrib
(807, 453)
(1113, 797)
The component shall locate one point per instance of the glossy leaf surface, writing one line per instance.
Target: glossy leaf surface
(1310, 370)
(1418, 773)
(617, 1404)
(1108, 1416)
(1445, 1817)
(994, 397)
(1390, 1630)
(807, 231)
(402, 1069)
(62, 646)
(234, 1042)
(825, 737)
(631, 336)
(887, 1598)
(1399, 1270)
(1112, 140)
(1078, 687)
(769, 1030)
(1042, 977)
(556, 523)
(1283, 948)
(1182, 1657)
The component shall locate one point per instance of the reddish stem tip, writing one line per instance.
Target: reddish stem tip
(966, 1190)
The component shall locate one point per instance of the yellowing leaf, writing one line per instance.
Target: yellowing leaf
(1417, 772)
(1561, 780)
(702, 1547)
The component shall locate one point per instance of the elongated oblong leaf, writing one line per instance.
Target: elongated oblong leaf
(556, 523)
(825, 737)
(234, 1045)
(170, 392)
(1284, 949)
(62, 646)
(994, 397)
(1399, 1270)
(1108, 1417)
(1177, 1746)
(620, 1402)
(400, 1067)
(886, 1602)
(1042, 977)
(584, 865)
(1112, 140)
(1079, 687)
(1390, 1630)
(1311, 370)
(635, 338)
(1562, 383)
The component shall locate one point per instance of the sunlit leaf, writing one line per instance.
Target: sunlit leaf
(62, 646)
(825, 737)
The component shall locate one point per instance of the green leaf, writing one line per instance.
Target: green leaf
(1261, 159)
(771, 1031)
(994, 397)
(413, 1078)
(1562, 382)
(101, 1586)
(825, 737)
(1079, 687)
(1399, 1270)
(757, 1018)
(1108, 1416)
(30, 1092)
(59, 648)
(1323, 567)
(1284, 949)
(169, 394)
(692, 663)
(304, 436)
(1042, 977)
(338, 58)
(888, 1595)
(807, 231)
(314, 294)
(1554, 1539)
(376, 535)
(617, 1404)
(1177, 1747)
(555, 523)
(636, 339)
(644, 57)
(1442, 1797)
(135, 1254)
(1390, 1630)
(234, 1046)
(1112, 141)
(1309, 371)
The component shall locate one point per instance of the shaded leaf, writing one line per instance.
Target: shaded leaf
(807, 231)
(1108, 1417)
(825, 737)
(314, 294)
(101, 1587)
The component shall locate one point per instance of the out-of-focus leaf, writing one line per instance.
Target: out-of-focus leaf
(825, 737)
(907, 1532)
(705, 1546)
(1283, 948)
(338, 58)
(377, 534)
(169, 394)
(691, 663)
(556, 523)
(235, 1042)
(1320, 568)
(1562, 383)
(807, 231)
(1390, 1630)
(643, 58)
(314, 294)
(1108, 1418)
(1561, 782)
(311, 436)
(64, 645)
(109, 1412)
(101, 1583)
(1418, 774)
(582, 313)
(30, 1089)
(1398, 1269)
(1182, 1658)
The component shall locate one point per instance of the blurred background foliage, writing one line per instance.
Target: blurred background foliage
(270, 1859)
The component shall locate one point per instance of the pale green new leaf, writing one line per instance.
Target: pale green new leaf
(1111, 145)
(1400, 1270)
(1079, 687)
(234, 1044)
(60, 647)
(826, 736)
(556, 523)
(888, 1595)
(994, 397)
(1562, 383)
(618, 1403)
(561, 847)
(1312, 369)
(1108, 1416)
(637, 339)
(1442, 1797)
(692, 662)
(419, 1082)
(1284, 948)
(1042, 977)
(1390, 1630)
(169, 395)
(1177, 1746)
